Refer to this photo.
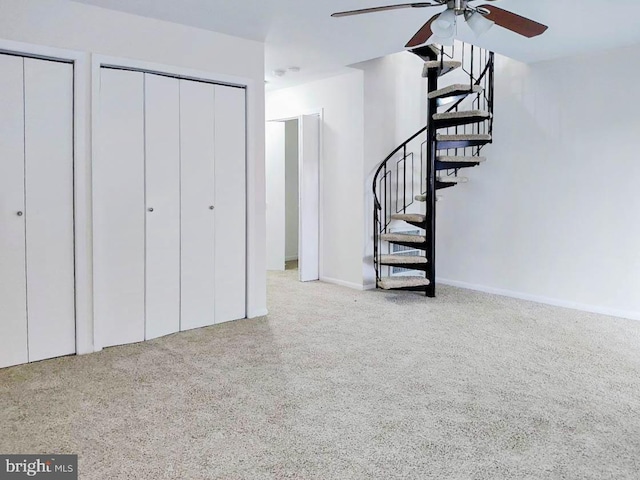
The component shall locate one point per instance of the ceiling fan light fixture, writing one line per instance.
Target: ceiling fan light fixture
(444, 26)
(479, 24)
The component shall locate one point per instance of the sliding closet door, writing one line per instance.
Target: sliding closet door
(119, 209)
(48, 90)
(13, 288)
(162, 139)
(198, 203)
(230, 212)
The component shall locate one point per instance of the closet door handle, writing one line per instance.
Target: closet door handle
(19, 214)
(211, 207)
(150, 209)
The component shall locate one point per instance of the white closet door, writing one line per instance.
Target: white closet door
(48, 91)
(13, 290)
(119, 210)
(197, 209)
(162, 159)
(230, 212)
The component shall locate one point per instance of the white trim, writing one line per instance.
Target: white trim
(95, 102)
(342, 283)
(186, 73)
(81, 186)
(41, 51)
(256, 207)
(312, 111)
(320, 113)
(261, 312)
(302, 238)
(254, 306)
(631, 315)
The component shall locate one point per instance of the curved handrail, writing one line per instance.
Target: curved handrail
(389, 157)
(423, 129)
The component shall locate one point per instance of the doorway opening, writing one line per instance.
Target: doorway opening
(293, 195)
(291, 189)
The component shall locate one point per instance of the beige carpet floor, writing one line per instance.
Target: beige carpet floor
(340, 384)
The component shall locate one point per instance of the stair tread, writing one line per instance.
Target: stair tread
(462, 137)
(462, 114)
(389, 283)
(423, 198)
(409, 217)
(453, 179)
(439, 64)
(401, 259)
(434, 48)
(402, 237)
(426, 52)
(455, 88)
(460, 159)
(444, 67)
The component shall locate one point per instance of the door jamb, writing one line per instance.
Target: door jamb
(320, 113)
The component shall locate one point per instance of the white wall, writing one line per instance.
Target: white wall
(291, 190)
(276, 199)
(553, 213)
(395, 99)
(342, 191)
(367, 113)
(88, 29)
(75, 26)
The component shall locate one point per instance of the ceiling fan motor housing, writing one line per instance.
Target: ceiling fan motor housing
(458, 6)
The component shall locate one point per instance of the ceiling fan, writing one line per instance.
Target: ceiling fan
(443, 25)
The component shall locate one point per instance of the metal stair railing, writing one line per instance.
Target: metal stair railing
(410, 169)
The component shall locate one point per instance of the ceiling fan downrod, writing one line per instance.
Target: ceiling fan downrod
(458, 6)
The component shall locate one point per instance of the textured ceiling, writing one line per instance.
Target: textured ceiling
(302, 33)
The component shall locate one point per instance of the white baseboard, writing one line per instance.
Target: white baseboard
(342, 283)
(87, 351)
(260, 312)
(545, 300)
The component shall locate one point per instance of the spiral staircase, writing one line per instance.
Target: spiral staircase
(407, 184)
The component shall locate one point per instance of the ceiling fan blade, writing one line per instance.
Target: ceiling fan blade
(514, 22)
(423, 34)
(385, 8)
